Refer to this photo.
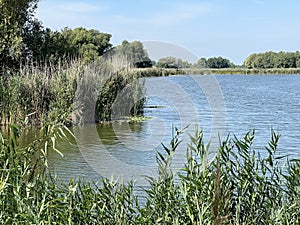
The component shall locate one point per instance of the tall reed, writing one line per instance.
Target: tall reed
(237, 186)
(44, 93)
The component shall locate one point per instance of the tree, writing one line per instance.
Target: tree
(88, 44)
(272, 60)
(248, 63)
(36, 40)
(172, 62)
(218, 62)
(167, 62)
(297, 58)
(201, 63)
(183, 64)
(15, 16)
(134, 53)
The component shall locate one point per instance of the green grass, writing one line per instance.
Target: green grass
(237, 186)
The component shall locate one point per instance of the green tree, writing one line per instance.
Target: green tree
(88, 44)
(248, 63)
(268, 60)
(289, 60)
(38, 43)
(218, 62)
(134, 53)
(167, 62)
(15, 16)
(272, 60)
(173, 62)
(183, 64)
(297, 58)
(201, 63)
(259, 61)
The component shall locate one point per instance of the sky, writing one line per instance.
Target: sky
(233, 29)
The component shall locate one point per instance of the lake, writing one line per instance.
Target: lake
(219, 104)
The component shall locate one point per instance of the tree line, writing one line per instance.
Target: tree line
(264, 60)
(24, 39)
(273, 60)
(177, 63)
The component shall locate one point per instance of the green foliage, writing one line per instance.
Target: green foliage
(172, 62)
(41, 94)
(36, 39)
(237, 186)
(88, 44)
(214, 63)
(167, 62)
(120, 96)
(15, 16)
(23, 39)
(201, 63)
(45, 45)
(273, 60)
(218, 62)
(134, 53)
(36, 95)
(29, 196)
(183, 64)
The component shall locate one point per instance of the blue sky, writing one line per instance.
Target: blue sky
(233, 28)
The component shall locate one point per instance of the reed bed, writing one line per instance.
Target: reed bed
(256, 71)
(72, 92)
(158, 72)
(237, 186)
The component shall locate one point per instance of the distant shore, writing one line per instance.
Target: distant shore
(158, 72)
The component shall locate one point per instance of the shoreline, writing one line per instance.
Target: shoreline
(161, 72)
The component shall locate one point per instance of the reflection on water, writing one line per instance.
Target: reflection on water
(128, 150)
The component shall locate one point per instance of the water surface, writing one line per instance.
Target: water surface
(124, 150)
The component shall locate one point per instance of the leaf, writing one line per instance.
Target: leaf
(54, 148)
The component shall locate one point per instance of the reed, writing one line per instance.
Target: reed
(158, 72)
(69, 92)
(255, 71)
(237, 186)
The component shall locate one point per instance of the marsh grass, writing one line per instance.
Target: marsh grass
(158, 72)
(237, 186)
(72, 92)
(255, 71)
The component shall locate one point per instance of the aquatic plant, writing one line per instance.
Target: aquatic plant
(72, 92)
(236, 186)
